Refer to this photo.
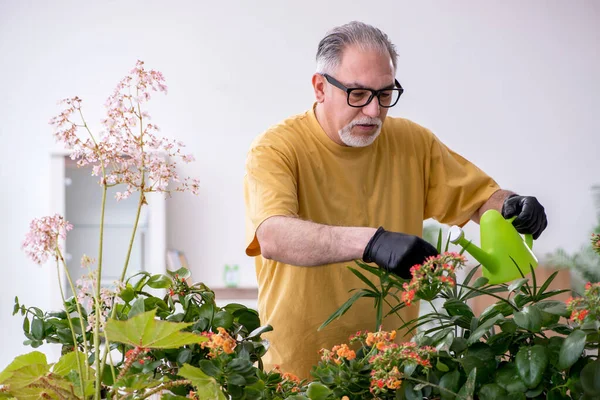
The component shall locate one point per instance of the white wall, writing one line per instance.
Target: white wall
(513, 86)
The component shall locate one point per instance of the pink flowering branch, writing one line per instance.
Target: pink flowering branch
(129, 153)
(43, 241)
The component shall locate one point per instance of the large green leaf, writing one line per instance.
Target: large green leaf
(491, 391)
(459, 308)
(222, 319)
(554, 307)
(590, 378)
(483, 329)
(451, 382)
(571, 349)
(160, 282)
(509, 379)
(68, 363)
(531, 364)
(480, 356)
(318, 391)
(530, 318)
(206, 386)
(144, 330)
(25, 369)
(466, 392)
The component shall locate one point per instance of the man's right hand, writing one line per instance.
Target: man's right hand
(397, 252)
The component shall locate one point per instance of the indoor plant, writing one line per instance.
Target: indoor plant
(522, 346)
(150, 333)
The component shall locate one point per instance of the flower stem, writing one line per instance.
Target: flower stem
(70, 280)
(167, 385)
(75, 346)
(141, 202)
(432, 385)
(98, 287)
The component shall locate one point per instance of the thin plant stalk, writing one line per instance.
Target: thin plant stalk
(98, 286)
(141, 202)
(75, 346)
(70, 280)
(99, 280)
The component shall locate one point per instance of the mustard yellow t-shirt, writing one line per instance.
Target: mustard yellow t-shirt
(294, 169)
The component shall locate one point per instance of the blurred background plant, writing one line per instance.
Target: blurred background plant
(584, 263)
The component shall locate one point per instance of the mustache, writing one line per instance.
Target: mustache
(366, 121)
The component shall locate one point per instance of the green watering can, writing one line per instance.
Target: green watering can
(500, 245)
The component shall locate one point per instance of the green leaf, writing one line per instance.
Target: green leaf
(554, 307)
(144, 330)
(535, 392)
(248, 318)
(466, 392)
(530, 318)
(127, 294)
(210, 367)
(509, 379)
(259, 331)
(547, 283)
(571, 349)
(318, 391)
(364, 279)
(467, 280)
(516, 285)
(491, 391)
(68, 363)
(479, 282)
(24, 370)
(483, 329)
(590, 378)
(553, 349)
(343, 308)
(457, 307)
(137, 308)
(451, 382)
(182, 273)
(206, 386)
(37, 328)
(222, 319)
(24, 360)
(184, 356)
(159, 282)
(531, 363)
(480, 356)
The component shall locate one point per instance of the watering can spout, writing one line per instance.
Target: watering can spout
(505, 255)
(457, 236)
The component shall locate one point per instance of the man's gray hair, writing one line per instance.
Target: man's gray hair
(331, 47)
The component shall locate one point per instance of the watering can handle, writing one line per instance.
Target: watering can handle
(528, 236)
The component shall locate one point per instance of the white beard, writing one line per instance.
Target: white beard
(352, 140)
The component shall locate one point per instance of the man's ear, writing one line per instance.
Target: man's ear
(318, 82)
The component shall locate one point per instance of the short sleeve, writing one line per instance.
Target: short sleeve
(270, 188)
(456, 187)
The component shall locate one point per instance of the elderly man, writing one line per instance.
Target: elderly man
(342, 182)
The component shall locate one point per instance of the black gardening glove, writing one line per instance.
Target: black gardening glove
(531, 217)
(397, 252)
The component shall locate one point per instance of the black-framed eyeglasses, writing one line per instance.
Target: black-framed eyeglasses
(360, 97)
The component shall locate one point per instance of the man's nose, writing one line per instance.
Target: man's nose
(372, 109)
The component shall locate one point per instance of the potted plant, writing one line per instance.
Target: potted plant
(526, 345)
(152, 333)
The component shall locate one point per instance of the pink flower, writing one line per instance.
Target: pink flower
(128, 149)
(42, 239)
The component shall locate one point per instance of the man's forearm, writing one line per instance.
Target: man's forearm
(304, 243)
(494, 202)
